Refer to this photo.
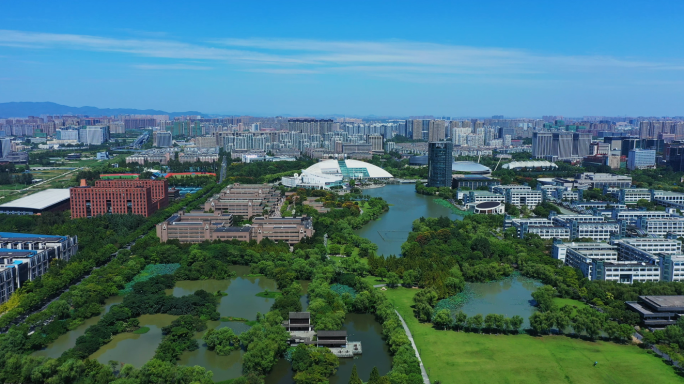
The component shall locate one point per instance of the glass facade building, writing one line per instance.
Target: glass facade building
(440, 158)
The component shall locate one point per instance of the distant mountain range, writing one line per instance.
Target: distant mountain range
(25, 109)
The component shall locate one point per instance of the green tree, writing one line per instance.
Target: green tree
(354, 379)
(460, 319)
(382, 273)
(442, 319)
(374, 376)
(516, 323)
(477, 322)
(392, 280)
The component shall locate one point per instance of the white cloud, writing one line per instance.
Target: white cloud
(375, 58)
(172, 66)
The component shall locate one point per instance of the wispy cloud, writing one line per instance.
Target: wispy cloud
(374, 58)
(172, 66)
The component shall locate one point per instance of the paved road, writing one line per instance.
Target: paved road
(426, 379)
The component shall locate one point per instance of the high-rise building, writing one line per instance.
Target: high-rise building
(437, 130)
(5, 147)
(561, 145)
(674, 155)
(440, 158)
(94, 135)
(542, 144)
(376, 142)
(417, 129)
(162, 139)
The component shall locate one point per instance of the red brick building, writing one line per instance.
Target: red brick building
(137, 197)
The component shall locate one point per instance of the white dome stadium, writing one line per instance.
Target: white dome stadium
(349, 169)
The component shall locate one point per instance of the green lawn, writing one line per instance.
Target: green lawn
(460, 357)
(374, 280)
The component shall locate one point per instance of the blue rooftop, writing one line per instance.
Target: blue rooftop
(11, 235)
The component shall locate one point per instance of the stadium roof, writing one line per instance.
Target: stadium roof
(39, 200)
(332, 167)
(529, 164)
(469, 166)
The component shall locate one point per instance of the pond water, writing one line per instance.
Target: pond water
(68, 340)
(129, 348)
(359, 327)
(393, 227)
(509, 297)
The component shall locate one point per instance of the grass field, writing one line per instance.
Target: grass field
(561, 302)
(460, 357)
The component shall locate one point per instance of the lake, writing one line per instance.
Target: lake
(393, 227)
(511, 296)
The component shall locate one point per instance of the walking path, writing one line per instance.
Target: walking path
(426, 379)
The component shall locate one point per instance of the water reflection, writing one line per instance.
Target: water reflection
(391, 231)
(129, 348)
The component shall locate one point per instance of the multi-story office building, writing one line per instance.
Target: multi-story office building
(641, 159)
(196, 227)
(633, 195)
(473, 197)
(501, 189)
(440, 159)
(601, 180)
(523, 198)
(193, 227)
(668, 198)
(137, 197)
(162, 139)
(625, 260)
(631, 216)
(566, 227)
(67, 134)
(246, 208)
(291, 230)
(661, 226)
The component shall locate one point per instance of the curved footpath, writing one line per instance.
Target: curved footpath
(426, 379)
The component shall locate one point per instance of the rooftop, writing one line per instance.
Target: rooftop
(29, 236)
(39, 200)
(663, 303)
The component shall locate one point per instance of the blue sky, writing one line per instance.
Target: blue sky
(453, 58)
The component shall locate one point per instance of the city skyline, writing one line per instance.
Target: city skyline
(310, 59)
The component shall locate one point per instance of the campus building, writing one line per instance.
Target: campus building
(137, 197)
(633, 195)
(566, 227)
(193, 227)
(658, 311)
(625, 260)
(49, 200)
(197, 226)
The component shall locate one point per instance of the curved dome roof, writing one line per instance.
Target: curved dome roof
(469, 166)
(332, 167)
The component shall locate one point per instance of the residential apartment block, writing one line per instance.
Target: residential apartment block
(25, 257)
